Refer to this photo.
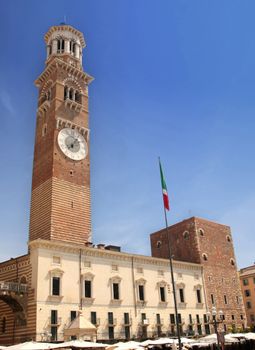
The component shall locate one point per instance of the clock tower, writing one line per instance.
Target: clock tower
(60, 202)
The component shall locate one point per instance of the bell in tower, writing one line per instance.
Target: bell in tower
(60, 201)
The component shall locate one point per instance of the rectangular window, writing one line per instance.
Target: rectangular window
(111, 332)
(179, 318)
(205, 318)
(93, 317)
(172, 319)
(54, 317)
(248, 305)
(110, 318)
(115, 287)
(212, 298)
(247, 293)
(199, 329)
(198, 319)
(55, 285)
(54, 333)
(126, 318)
(225, 299)
(190, 319)
(181, 295)
(143, 316)
(127, 332)
(87, 289)
(233, 317)
(245, 282)
(241, 316)
(158, 318)
(162, 294)
(141, 292)
(237, 299)
(72, 315)
(199, 300)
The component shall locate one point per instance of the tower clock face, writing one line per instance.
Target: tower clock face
(72, 144)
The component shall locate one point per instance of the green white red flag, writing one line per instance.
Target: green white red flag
(164, 189)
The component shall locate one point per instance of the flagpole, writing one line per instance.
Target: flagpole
(172, 277)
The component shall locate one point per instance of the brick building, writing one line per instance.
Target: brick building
(247, 279)
(210, 244)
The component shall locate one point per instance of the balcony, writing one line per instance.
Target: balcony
(72, 104)
(160, 323)
(55, 322)
(145, 322)
(127, 322)
(112, 323)
(96, 322)
(18, 288)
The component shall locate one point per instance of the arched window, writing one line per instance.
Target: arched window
(4, 324)
(61, 45)
(205, 257)
(232, 262)
(44, 129)
(66, 93)
(77, 97)
(71, 94)
(23, 280)
(72, 47)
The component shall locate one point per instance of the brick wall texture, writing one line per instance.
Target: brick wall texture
(209, 243)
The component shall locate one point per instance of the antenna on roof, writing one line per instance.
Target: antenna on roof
(64, 22)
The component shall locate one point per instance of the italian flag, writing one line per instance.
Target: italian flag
(164, 189)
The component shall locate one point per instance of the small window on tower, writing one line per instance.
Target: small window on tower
(201, 232)
(44, 129)
(159, 243)
(205, 257)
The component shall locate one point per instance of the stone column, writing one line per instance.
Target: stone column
(67, 46)
(48, 51)
(77, 51)
(54, 46)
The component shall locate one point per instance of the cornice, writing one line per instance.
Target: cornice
(63, 28)
(58, 63)
(73, 248)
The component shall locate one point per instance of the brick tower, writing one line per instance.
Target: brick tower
(60, 202)
(210, 244)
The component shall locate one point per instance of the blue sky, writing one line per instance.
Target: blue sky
(174, 79)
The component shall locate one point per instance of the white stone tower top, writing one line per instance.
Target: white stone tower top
(64, 40)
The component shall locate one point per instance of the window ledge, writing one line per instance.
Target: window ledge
(163, 303)
(56, 298)
(182, 305)
(88, 300)
(141, 303)
(199, 305)
(116, 301)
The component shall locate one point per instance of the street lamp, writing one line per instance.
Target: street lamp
(212, 319)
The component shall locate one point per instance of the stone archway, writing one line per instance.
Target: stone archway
(15, 296)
